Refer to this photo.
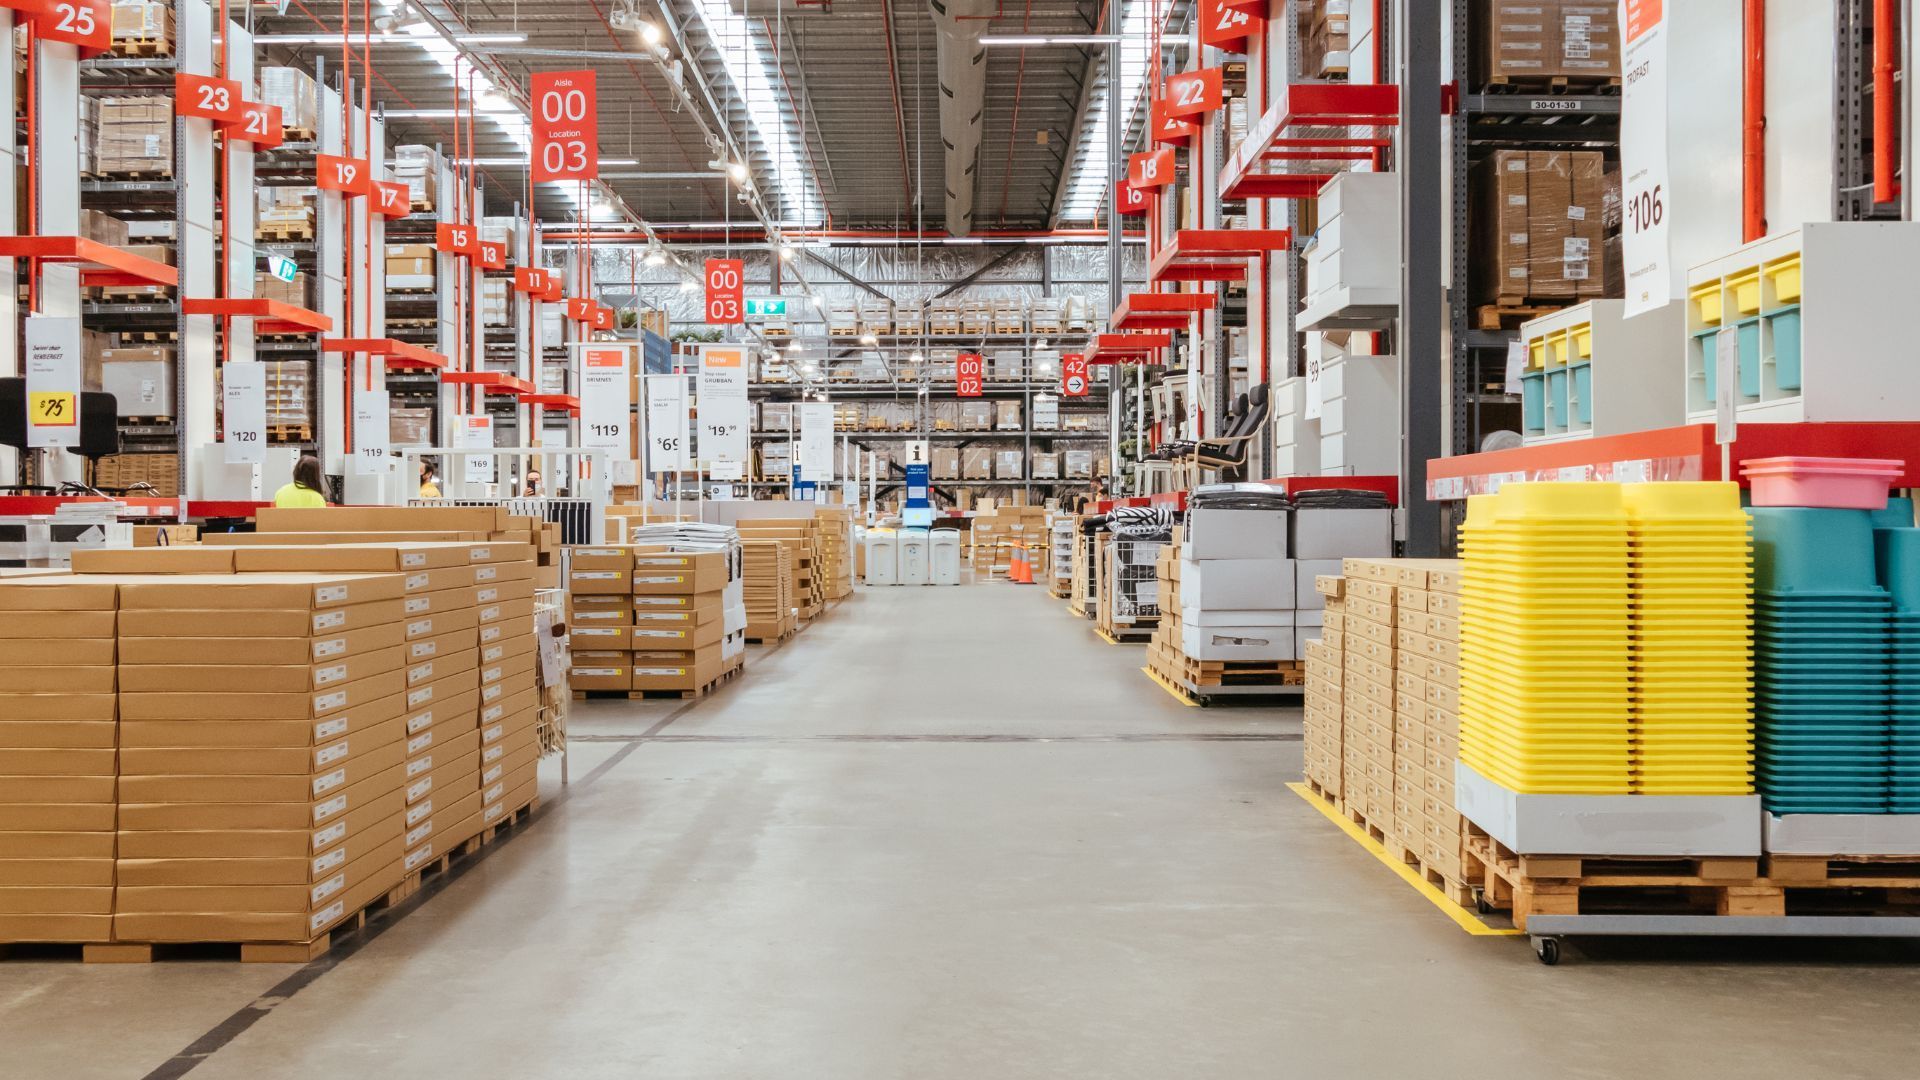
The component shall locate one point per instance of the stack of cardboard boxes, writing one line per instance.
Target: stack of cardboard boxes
(1536, 42)
(802, 536)
(836, 549)
(142, 27)
(1382, 730)
(503, 586)
(57, 765)
(161, 471)
(261, 754)
(418, 167)
(641, 618)
(410, 267)
(134, 137)
(1538, 215)
(768, 573)
(285, 213)
(1325, 41)
(298, 97)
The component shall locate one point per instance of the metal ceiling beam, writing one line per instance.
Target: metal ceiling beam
(995, 263)
(844, 275)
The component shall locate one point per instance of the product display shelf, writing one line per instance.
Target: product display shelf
(1588, 369)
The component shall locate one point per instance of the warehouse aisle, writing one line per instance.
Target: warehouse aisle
(944, 834)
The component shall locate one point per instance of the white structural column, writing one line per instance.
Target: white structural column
(56, 197)
(446, 203)
(10, 225)
(330, 286)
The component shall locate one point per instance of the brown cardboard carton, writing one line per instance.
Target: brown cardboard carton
(29, 625)
(591, 582)
(50, 680)
(482, 519)
(1501, 224)
(57, 734)
(256, 591)
(432, 601)
(57, 594)
(1520, 41)
(602, 557)
(185, 559)
(1549, 193)
(57, 652)
(360, 558)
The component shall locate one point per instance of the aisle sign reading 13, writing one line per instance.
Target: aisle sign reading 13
(566, 126)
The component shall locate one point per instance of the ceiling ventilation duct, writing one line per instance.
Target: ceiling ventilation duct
(962, 63)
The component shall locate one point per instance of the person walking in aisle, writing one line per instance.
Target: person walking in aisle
(429, 481)
(307, 486)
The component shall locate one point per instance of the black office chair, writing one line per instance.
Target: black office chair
(99, 423)
(1229, 453)
(1239, 421)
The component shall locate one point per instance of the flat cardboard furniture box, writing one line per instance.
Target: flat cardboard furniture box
(1234, 534)
(186, 559)
(1325, 533)
(485, 519)
(676, 669)
(679, 573)
(1237, 584)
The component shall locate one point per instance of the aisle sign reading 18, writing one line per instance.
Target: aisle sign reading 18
(566, 126)
(726, 289)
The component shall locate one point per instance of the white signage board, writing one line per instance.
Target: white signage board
(918, 452)
(725, 414)
(53, 381)
(667, 449)
(476, 432)
(1726, 377)
(816, 441)
(372, 433)
(606, 401)
(1646, 189)
(1314, 349)
(243, 395)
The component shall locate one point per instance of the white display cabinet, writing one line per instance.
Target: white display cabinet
(1296, 438)
(1360, 416)
(1353, 263)
(1818, 315)
(1589, 369)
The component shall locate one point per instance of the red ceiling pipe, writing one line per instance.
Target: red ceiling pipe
(899, 110)
(1886, 111)
(1754, 137)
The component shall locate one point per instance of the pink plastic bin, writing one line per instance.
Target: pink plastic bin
(1834, 483)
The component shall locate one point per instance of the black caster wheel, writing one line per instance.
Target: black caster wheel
(1548, 950)
(1480, 904)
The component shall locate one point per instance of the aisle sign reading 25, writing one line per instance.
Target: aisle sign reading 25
(86, 23)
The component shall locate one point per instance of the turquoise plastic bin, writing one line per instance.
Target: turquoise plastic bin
(1786, 348)
(1583, 389)
(1802, 549)
(1897, 515)
(1705, 340)
(1749, 338)
(1896, 556)
(1557, 396)
(1533, 401)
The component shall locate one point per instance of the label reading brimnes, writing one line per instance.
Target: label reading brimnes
(324, 784)
(329, 647)
(327, 755)
(329, 808)
(332, 834)
(418, 604)
(330, 860)
(416, 582)
(326, 915)
(329, 619)
(330, 594)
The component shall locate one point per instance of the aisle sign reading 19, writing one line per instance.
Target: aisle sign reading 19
(566, 126)
(726, 288)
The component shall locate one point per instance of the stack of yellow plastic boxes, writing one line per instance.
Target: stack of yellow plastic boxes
(1546, 664)
(1692, 639)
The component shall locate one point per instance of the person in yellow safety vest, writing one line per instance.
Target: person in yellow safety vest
(307, 485)
(429, 481)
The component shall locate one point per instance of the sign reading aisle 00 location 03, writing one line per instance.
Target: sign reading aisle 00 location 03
(726, 291)
(86, 23)
(969, 374)
(1151, 169)
(566, 126)
(1073, 375)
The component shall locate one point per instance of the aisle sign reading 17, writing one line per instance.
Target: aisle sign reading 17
(726, 289)
(566, 126)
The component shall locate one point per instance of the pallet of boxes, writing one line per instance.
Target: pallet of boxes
(768, 574)
(1382, 728)
(801, 537)
(1227, 598)
(643, 621)
(836, 548)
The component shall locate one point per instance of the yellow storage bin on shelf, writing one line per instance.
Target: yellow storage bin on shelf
(1785, 275)
(1692, 639)
(1746, 291)
(1706, 299)
(1580, 344)
(1537, 353)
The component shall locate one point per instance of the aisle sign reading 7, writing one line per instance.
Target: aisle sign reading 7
(726, 291)
(86, 23)
(969, 374)
(1153, 168)
(566, 126)
(203, 97)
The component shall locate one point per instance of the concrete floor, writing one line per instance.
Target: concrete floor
(951, 834)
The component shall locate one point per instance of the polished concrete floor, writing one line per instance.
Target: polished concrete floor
(946, 835)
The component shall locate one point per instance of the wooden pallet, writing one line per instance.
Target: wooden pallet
(149, 337)
(142, 47)
(157, 172)
(298, 135)
(135, 294)
(1204, 673)
(290, 433)
(1509, 312)
(773, 640)
(643, 695)
(284, 232)
(252, 952)
(146, 419)
(421, 292)
(1558, 85)
(1572, 885)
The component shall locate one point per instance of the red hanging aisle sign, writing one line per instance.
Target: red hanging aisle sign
(490, 254)
(1168, 128)
(1193, 93)
(1127, 200)
(969, 374)
(348, 176)
(256, 124)
(1151, 169)
(726, 291)
(1073, 375)
(566, 126)
(1225, 26)
(604, 317)
(392, 200)
(456, 239)
(86, 23)
(203, 97)
(528, 279)
(580, 309)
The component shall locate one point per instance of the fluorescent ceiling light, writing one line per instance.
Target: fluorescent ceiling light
(448, 114)
(750, 70)
(650, 32)
(420, 40)
(686, 285)
(1089, 189)
(1048, 39)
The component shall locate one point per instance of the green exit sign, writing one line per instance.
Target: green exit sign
(766, 307)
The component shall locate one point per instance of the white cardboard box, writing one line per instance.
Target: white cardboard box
(1609, 824)
(1238, 642)
(1237, 584)
(1306, 596)
(1342, 534)
(1193, 616)
(1235, 534)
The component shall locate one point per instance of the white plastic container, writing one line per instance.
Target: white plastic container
(944, 545)
(915, 568)
(883, 554)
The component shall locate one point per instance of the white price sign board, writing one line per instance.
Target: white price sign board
(724, 412)
(1646, 189)
(53, 381)
(1726, 376)
(816, 441)
(372, 434)
(243, 393)
(918, 451)
(667, 449)
(476, 432)
(1313, 375)
(606, 401)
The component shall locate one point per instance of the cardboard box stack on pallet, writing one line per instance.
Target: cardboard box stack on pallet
(365, 524)
(641, 618)
(997, 528)
(836, 547)
(1163, 648)
(769, 590)
(57, 763)
(1539, 215)
(1382, 729)
(810, 570)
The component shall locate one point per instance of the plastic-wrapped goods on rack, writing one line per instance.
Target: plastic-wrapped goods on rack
(496, 303)
(943, 416)
(135, 137)
(285, 213)
(909, 319)
(1537, 216)
(142, 28)
(776, 416)
(410, 427)
(289, 393)
(410, 267)
(1078, 464)
(418, 167)
(976, 463)
(976, 415)
(944, 462)
(1009, 464)
(103, 228)
(1006, 415)
(140, 378)
(268, 287)
(298, 97)
(1009, 365)
(1046, 466)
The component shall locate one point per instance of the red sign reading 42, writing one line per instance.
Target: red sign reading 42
(566, 126)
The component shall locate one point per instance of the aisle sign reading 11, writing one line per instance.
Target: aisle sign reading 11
(566, 126)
